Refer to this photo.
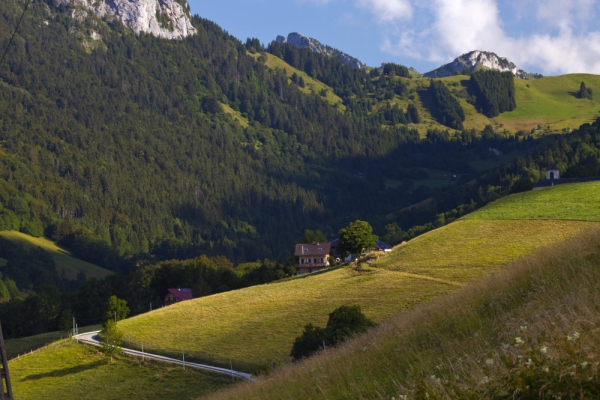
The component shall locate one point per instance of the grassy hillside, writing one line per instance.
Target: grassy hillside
(63, 259)
(532, 332)
(563, 202)
(16, 347)
(551, 101)
(546, 103)
(311, 85)
(256, 326)
(66, 370)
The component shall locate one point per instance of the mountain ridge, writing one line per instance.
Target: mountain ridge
(475, 60)
(300, 41)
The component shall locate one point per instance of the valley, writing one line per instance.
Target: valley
(144, 149)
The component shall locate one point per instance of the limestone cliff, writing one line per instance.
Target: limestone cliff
(300, 41)
(476, 60)
(163, 18)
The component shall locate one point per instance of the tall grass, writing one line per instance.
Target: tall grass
(530, 332)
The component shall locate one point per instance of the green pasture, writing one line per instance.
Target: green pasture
(66, 370)
(552, 101)
(21, 346)
(63, 259)
(255, 327)
(577, 201)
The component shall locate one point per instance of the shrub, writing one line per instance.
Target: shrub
(343, 322)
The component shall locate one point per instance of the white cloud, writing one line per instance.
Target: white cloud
(388, 10)
(558, 39)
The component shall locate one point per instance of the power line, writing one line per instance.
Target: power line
(15, 32)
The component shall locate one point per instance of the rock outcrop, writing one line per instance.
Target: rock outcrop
(163, 18)
(476, 60)
(300, 41)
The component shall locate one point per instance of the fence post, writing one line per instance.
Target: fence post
(231, 366)
(4, 374)
(143, 352)
(183, 355)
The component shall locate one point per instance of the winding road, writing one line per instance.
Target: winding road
(93, 339)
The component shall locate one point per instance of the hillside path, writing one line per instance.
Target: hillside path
(93, 339)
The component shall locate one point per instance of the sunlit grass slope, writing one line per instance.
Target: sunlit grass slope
(548, 101)
(256, 326)
(66, 370)
(579, 201)
(21, 346)
(552, 101)
(311, 85)
(531, 332)
(63, 259)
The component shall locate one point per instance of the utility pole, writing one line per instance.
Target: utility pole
(4, 375)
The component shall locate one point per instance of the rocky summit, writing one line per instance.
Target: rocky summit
(163, 18)
(476, 60)
(300, 41)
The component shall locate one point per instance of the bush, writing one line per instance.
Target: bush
(343, 322)
(522, 185)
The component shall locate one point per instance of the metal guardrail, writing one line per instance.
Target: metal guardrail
(92, 338)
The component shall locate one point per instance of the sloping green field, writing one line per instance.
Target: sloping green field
(63, 259)
(548, 101)
(552, 101)
(66, 370)
(256, 326)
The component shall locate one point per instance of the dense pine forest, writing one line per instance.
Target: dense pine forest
(120, 146)
(494, 91)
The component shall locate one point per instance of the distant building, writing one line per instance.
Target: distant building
(553, 178)
(312, 257)
(552, 173)
(177, 295)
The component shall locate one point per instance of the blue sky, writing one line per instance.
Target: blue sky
(546, 36)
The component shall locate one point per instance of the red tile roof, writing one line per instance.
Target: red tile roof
(312, 250)
(182, 294)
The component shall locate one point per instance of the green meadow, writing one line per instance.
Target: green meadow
(551, 101)
(577, 201)
(67, 370)
(64, 261)
(255, 327)
(530, 332)
(22, 346)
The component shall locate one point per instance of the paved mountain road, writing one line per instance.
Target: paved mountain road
(93, 339)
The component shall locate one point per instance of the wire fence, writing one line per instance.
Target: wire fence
(198, 357)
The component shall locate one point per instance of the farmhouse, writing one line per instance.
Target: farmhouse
(176, 295)
(312, 257)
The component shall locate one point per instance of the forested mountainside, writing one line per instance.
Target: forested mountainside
(114, 144)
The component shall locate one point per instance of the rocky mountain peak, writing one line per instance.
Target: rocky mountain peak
(169, 19)
(300, 41)
(475, 60)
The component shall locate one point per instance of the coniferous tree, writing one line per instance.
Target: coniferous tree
(494, 91)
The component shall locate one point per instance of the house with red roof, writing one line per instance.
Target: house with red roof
(176, 295)
(312, 257)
